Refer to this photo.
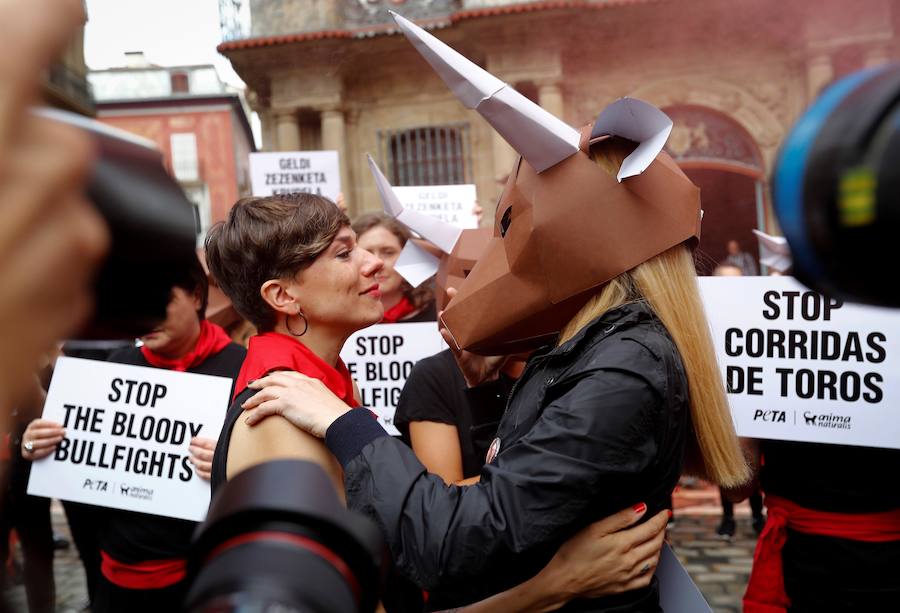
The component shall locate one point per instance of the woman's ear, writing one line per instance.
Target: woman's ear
(276, 294)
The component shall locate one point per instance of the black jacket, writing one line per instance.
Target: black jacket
(593, 426)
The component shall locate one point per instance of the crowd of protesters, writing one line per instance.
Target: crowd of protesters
(504, 470)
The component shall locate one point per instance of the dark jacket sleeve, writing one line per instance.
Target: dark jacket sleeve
(536, 493)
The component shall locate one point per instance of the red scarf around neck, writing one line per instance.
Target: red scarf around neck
(273, 351)
(212, 340)
(398, 311)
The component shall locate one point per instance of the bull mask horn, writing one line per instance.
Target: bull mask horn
(537, 135)
(639, 122)
(414, 264)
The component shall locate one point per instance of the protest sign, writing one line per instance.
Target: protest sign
(802, 367)
(452, 204)
(380, 359)
(288, 172)
(128, 429)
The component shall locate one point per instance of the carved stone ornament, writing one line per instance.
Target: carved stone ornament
(371, 12)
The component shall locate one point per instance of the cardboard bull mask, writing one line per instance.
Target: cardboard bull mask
(449, 254)
(564, 226)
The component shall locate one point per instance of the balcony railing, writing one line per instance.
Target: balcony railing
(70, 89)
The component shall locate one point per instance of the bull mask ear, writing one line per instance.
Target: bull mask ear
(430, 228)
(537, 135)
(639, 122)
(774, 251)
(414, 264)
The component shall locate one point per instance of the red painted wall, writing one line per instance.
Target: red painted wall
(216, 138)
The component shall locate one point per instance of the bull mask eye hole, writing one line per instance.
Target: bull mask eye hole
(466, 273)
(505, 221)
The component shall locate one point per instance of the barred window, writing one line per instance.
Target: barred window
(428, 155)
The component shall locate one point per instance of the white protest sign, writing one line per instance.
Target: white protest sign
(380, 359)
(128, 429)
(802, 367)
(288, 172)
(452, 204)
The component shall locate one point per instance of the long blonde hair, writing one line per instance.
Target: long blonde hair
(668, 284)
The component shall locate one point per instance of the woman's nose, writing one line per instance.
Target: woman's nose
(372, 265)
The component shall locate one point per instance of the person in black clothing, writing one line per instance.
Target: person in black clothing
(143, 556)
(436, 401)
(841, 518)
(28, 515)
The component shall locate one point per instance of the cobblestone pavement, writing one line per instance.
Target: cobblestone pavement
(719, 567)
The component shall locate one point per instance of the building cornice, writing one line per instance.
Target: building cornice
(389, 29)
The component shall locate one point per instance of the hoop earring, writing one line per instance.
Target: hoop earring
(287, 324)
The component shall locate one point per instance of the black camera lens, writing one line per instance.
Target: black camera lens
(277, 539)
(837, 188)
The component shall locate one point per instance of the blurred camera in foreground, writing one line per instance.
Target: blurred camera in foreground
(837, 188)
(151, 223)
(278, 539)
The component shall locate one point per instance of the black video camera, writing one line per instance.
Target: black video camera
(151, 223)
(837, 188)
(278, 539)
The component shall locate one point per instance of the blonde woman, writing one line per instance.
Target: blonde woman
(603, 419)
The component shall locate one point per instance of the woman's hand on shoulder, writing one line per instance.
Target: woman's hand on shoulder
(608, 557)
(302, 400)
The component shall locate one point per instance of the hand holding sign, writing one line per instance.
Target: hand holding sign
(134, 437)
(41, 438)
(202, 450)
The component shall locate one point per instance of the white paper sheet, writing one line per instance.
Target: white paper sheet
(416, 265)
(774, 251)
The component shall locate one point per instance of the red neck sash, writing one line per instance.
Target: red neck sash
(765, 590)
(273, 351)
(212, 340)
(398, 311)
(148, 575)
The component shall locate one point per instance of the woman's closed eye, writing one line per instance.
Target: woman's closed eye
(344, 254)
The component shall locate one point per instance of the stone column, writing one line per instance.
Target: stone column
(503, 157)
(819, 73)
(267, 129)
(334, 139)
(876, 56)
(550, 97)
(288, 131)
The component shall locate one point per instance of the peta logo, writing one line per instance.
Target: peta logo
(777, 417)
(95, 485)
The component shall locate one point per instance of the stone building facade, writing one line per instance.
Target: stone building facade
(335, 74)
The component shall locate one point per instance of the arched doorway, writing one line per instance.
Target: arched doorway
(721, 158)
